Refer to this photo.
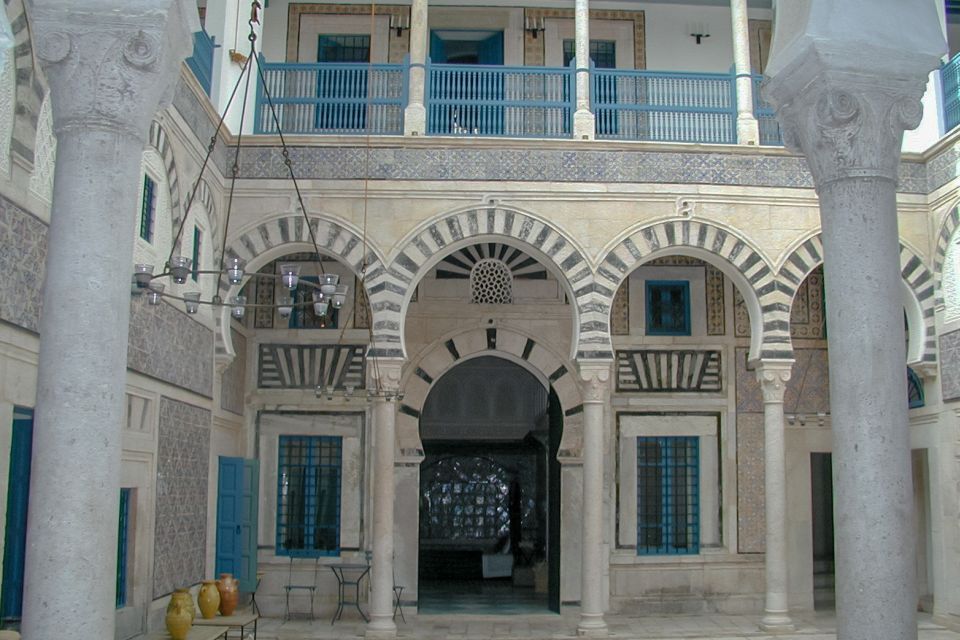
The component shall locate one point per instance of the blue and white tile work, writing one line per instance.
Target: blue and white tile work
(183, 452)
(544, 165)
(807, 392)
(24, 242)
(751, 499)
(950, 365)
(943, 167)
(166, 344)
(234, 376)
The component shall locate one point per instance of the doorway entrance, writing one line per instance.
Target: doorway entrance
(821, 497)
(489, 492)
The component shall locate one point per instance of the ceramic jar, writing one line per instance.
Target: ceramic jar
(229, 593)
(209, 599)
(179, 614)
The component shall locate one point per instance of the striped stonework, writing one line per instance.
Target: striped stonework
(159, 141)
(809, 255)
(30, 88)
(420, 375)
(253, 243)
(950, 223)
(707, 241)
(542, 240)
(311, 366)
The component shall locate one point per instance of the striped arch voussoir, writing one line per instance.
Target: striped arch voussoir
(918, 278)
(159, 141)
(30, 89)
(565, 259)
(640, 245)
(947, 229)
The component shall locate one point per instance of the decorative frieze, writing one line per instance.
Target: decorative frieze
(297, 366)
(674, 370)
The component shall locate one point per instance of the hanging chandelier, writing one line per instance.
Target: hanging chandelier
(325, 295)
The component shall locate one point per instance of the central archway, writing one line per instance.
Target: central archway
(489, 491)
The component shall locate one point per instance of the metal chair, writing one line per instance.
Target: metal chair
(301, 586)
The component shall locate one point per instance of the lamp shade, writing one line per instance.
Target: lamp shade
(180, 268)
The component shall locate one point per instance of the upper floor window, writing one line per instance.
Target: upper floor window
(343, 48)
(197, 238)
(668, 308)
(602, 52)
(308, 496)
(148, 208)
(668, 495)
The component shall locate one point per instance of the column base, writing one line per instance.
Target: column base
(380, 627)
(584, 125)
(415, 120)
(776, 622)
(592, 625)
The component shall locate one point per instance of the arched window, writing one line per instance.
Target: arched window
(491, 282)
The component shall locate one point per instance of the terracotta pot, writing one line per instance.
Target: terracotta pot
(229, 593)
(209, 599)
(179, 614)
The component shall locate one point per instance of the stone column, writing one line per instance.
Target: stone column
(385, 377)
(596, 397)
(415, 116)
(109, 65)
(584, 124)
(847, 114)
(748, 131)
(773, 377)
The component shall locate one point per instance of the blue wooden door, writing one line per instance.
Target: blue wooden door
(237, 495)
(18, 493)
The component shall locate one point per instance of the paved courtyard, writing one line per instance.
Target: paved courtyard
(820, 626)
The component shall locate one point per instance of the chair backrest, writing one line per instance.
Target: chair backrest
(304, 583)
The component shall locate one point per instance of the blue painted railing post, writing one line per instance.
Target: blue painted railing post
(572, 92)
(734, 105)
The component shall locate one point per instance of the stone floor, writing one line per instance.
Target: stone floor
(820, 626)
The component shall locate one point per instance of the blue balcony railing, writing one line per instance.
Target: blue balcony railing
(664, 107)
(332, 98)
(488, 100)
(950, 77)
(201, 62)
(766, 117)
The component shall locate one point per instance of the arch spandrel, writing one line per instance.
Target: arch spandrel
(726, 249)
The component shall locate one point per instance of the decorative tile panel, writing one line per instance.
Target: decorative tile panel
(167, 344)
(24, 242)
(942, 168)
(675, 370)
(808, 391)
(716, 314)
(234, 377)
(950, 365)
(751, 516)
(183, 451)
(620, 311)
(807, 313)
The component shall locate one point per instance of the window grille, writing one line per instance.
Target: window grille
(343, 48)
(308, 496)
(148, 208)
(491, 282)
(123, 546)
(668, 495)
(602, 52)
(668, 308)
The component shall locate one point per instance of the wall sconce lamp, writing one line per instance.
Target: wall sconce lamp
(699, 31)
(400, 23)
(533, 26)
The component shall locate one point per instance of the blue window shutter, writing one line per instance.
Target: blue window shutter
(438, 53)
(249, 518)
(229, 516)
(15, 534)
(490, 51)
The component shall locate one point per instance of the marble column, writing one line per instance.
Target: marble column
(109, 65)
(846, 114)
(415, 115)
(773, 377)
(748, 131)
(384, 376)
(596, 397)
(584, 124)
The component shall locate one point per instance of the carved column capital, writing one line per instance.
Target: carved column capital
(595, 376)
(773, 377)
(110, 63)
(849, 123)
(383, 374)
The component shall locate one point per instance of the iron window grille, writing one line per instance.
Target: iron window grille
(668, 308)
(308, 496)
(148, 208)
(668, 495)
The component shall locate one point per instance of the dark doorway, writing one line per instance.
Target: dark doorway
(821, 502)
(489, 493)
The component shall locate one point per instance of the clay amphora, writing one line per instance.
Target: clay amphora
(229, 593)
(209, 599)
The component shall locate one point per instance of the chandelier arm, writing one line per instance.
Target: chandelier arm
(235, 169)
(206, 160)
